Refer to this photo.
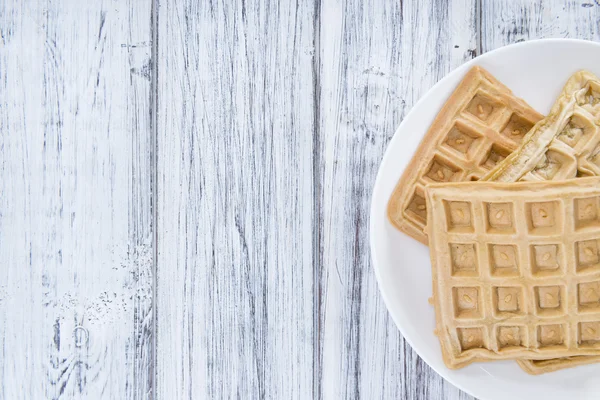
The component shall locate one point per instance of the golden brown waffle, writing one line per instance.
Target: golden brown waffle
(571, 137)
(565, 144)
(478, 126)
(516, 269)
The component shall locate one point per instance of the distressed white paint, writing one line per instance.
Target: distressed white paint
(235, 272)
(75, 216)
(506, 21)
(271, 120)
(377, 60)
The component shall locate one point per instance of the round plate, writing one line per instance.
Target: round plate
(535, 71)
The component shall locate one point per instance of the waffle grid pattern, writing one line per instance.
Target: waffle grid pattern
(574, 152)
(523, 275)
(570, 136)
(477, 128)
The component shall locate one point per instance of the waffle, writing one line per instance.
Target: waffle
(516, 269)
(565, 144)
(478, 126)
(570, 132)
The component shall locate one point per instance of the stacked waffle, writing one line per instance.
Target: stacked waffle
(509, 203)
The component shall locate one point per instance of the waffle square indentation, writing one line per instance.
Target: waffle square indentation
(484, 108)
(471, 338)
(577, 131)
(458, 216)
(466, 302)
(543, 218)
(550, 335)
(463, 259)
(499, 218)
(545, 259)
(508, 301)
(517, 127)
(503, 259)
(441, 170)
(550, 164)
(589, 334)
(549, 300)
(494, 156)
(417, 208)
(462, 140)
(511, 336)
(586, 252)
(588, 296)
(586, 212)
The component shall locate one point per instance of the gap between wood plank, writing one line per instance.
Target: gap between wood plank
(317, 253)
(478, 12)
(154, 180)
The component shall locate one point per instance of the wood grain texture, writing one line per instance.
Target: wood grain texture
(376, 60)
(235, 278)
(504, 22)
(75, 200)
(271, 118)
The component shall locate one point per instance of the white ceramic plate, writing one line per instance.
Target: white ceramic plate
(535, 71)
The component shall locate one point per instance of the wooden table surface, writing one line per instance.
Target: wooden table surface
(185, 189)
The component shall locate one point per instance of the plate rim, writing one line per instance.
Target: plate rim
(443, 372)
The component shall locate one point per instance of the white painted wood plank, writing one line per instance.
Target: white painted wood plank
(506, 21)
(377, 59)
(75, 200)
(235, 279)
